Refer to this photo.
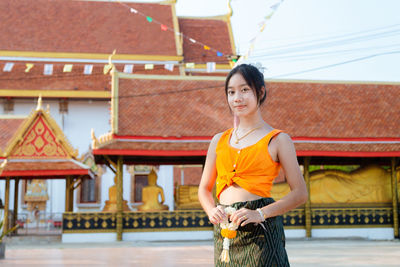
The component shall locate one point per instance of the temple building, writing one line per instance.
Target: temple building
(138, 92)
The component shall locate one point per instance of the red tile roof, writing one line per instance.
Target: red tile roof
(8, 127)
(37, 168)
(211, 32)
(331, 117)
(149, 107)
(334, 109)
(85, 27)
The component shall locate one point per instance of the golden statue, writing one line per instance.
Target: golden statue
(150, 195)
(186, 197)
(111, 204)
(370, 184)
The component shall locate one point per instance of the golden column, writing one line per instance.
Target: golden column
(15, 215)
(67, 194)
(307, 210)
(119, 197)
(6, 204)
(395, 198)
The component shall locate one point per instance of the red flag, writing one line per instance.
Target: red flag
(163, 27)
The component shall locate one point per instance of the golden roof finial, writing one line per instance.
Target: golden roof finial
(94, 139)
(39, 103)
(230, 8)
(110, 57)
(110, 65)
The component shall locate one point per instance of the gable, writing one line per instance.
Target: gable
(39, 141)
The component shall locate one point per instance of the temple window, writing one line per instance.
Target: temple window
(8, 105)
(89, 191)
(139, 179)
(63, 106)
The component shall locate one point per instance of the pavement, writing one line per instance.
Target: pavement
(302, 253)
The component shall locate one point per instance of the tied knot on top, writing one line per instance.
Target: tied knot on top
(228, 178)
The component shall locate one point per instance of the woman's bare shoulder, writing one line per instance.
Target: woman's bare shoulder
(215, 139)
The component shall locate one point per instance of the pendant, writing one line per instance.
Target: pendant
(237, 142)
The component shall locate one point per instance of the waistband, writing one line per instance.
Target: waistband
(252, 204)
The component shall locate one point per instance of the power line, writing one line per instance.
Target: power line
(327, 44)
(333, 65)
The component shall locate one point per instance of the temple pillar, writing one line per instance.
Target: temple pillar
(67, 194)
(307, 206)
(15, 216)
(71, 194)
(6, 205)
(119, 197)
(394, 198)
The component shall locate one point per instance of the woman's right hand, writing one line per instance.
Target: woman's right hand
(217, 215)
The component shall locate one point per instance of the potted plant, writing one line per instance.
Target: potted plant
(4, 233)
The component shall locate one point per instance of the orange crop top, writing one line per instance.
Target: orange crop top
(251, 168)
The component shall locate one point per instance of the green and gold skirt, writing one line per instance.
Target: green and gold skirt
(254, 245)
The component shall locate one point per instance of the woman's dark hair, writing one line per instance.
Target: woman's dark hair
(253, 77)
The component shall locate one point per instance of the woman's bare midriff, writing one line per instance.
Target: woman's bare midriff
(235, 193)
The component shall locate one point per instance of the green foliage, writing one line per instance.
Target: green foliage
(4, 233)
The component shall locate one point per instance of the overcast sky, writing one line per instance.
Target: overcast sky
(314, 39)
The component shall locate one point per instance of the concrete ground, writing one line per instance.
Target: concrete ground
(314, 252)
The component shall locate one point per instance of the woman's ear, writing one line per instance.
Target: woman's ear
(262, 94)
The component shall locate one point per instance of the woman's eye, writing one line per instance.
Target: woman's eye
(245, 89)
(230, 92)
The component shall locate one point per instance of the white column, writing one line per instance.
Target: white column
(166, 181)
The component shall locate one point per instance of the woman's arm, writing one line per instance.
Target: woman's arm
(298, 191)
(215, 214)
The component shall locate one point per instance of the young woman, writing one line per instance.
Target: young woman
(242, 163)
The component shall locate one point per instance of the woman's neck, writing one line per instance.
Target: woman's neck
(249, 122)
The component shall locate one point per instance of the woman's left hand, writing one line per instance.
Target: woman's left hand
(244, 216)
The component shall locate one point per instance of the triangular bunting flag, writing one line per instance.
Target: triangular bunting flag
(8, 67)
(190, 65)
(149, 66)
(29, 66)
(88, 69)
(169, 66)
(48, 69)
(164, 27)
(67, 68)
(211, 66)
(128, 68)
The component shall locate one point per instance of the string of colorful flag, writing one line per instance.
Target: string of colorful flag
(270, 12)
(48, 69)
(164, 27)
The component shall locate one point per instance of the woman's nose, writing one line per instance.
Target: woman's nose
(238, 97)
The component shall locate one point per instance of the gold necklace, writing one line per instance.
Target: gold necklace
(246, 134)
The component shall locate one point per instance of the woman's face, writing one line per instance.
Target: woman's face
(241, 97)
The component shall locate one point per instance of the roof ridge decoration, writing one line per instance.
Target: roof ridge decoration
(41, 137)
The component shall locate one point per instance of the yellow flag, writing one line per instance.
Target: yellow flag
(190, 65)
(67, 68)
(29, 66)
(148, 66)
(206, 47)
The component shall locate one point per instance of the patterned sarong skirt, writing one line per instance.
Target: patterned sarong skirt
(254, 245)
